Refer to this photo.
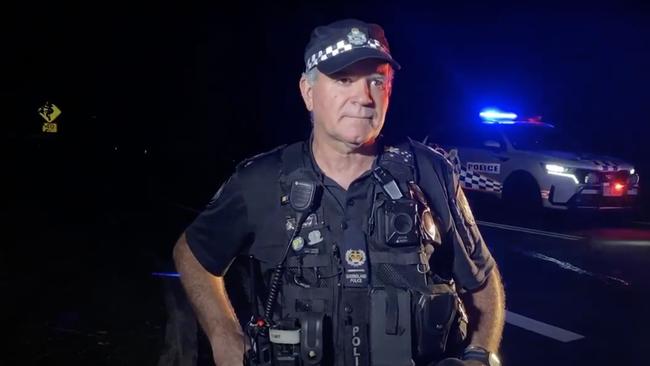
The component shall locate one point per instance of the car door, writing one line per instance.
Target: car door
(481, 153)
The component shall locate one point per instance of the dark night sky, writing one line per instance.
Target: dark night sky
(88, 215)
(201, 87)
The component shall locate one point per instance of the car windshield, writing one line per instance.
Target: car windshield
(540, 138)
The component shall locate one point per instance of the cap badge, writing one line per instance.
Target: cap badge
(357, 37)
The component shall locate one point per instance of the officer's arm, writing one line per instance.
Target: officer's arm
(486, 303)
(207, 294)
(486, 312)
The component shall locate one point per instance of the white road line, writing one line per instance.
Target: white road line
(530, 231)
(570, 267)
(544, 329)
(620, 243)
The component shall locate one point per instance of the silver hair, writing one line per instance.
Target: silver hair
(311, 75)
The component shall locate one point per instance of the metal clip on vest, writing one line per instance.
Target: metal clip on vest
(387, 182)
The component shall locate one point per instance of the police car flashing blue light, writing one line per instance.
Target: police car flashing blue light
(495, 115)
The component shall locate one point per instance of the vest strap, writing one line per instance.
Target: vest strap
(395, 258)
(320, 298)
(309, 293)
(292, 157)
(399, 161)
(392, 311)
(311, 260)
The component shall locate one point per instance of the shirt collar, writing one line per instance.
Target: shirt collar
(310, 160)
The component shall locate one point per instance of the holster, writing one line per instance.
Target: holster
(439, 323)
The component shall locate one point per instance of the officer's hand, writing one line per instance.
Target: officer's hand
(451, 362)
(229, 349)
(473, 363)
(456, 362)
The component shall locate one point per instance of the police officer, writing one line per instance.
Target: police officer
(360, 253)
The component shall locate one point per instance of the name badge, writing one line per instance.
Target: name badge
(355, 257)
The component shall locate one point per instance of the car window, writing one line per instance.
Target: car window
(465, 136)
(477, 137)
(540, 138)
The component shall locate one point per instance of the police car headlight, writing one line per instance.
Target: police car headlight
(554, 168)
(592, 178)
(562, 171)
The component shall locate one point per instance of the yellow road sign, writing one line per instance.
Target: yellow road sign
(49, 112)
(50, 127)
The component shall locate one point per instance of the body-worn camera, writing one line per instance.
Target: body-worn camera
(401, 223)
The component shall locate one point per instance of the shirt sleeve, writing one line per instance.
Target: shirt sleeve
(473, 261)
(222, 230)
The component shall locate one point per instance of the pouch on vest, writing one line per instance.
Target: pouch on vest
(435, 315)
(312, 347)
(390, 335)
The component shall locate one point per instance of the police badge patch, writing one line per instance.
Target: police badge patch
(314, 237)
(465, 209)
(452, 156)
(297, 243)
(355, 257)
(357, 37)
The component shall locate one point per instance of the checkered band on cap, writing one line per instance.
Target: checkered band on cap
(340, 47)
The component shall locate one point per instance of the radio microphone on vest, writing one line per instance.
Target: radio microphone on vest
(301, 199)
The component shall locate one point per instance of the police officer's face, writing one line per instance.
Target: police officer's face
(350, 106)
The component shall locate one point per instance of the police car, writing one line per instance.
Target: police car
(532, 164)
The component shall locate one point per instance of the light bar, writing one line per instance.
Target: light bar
(496, 115)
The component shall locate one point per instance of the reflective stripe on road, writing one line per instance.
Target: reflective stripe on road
(544, 329)
(530, 231)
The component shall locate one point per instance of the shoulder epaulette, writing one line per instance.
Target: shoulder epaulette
(398, 154)
(250, 161)
(450, 157)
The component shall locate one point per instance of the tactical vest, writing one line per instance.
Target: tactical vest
(381, 296)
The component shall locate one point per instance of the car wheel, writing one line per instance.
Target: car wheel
(521, 194)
